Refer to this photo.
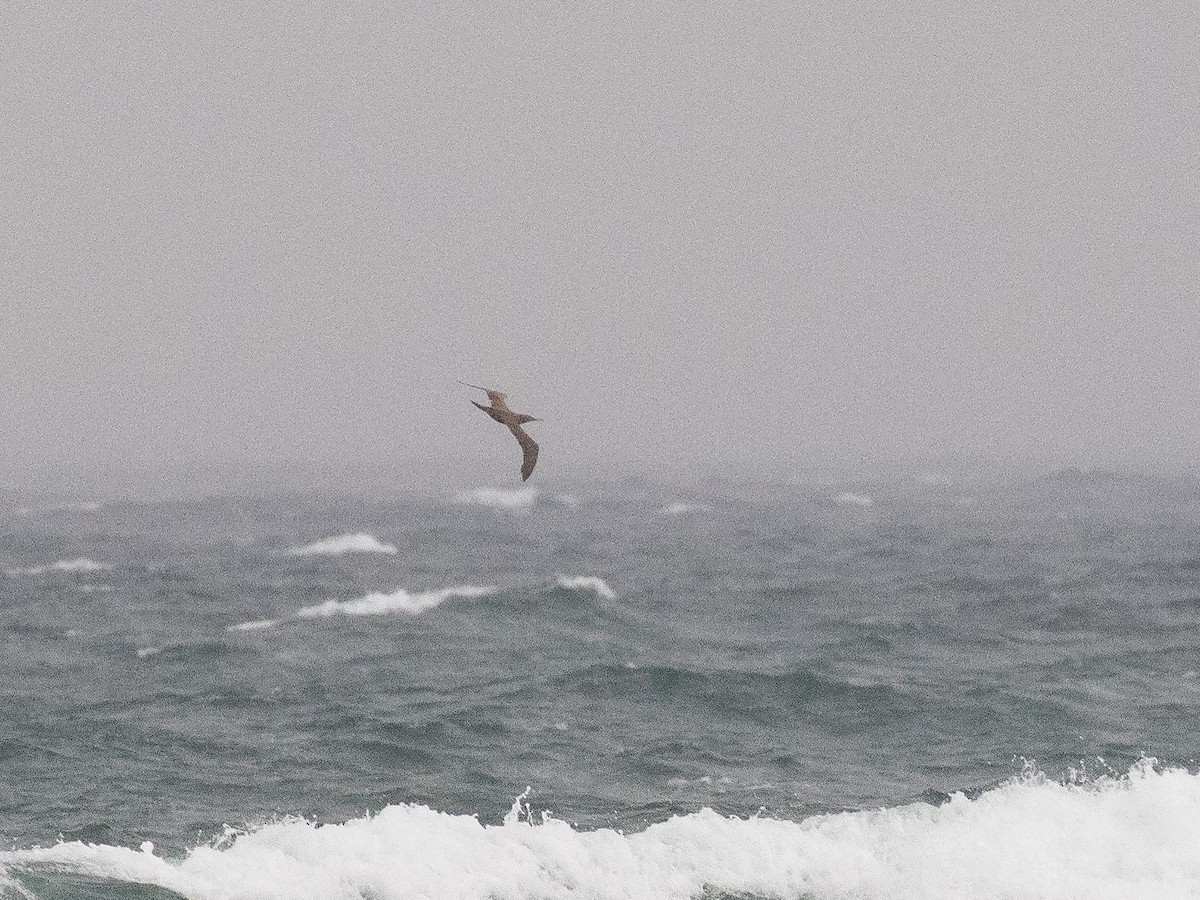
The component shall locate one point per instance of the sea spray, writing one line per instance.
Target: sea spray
(515, 499)
(81, 566)
(361, 542)
(399, 601)
(597, 586)
(1131, 837)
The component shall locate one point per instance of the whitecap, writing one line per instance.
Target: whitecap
(597, 586)
(70, 566)
(66, 506)
(78, 506)
(400, 601)
(144, 652)
(1130, 837)
(498, 498)
(679, 508)
(254, 625)
(362, 542)
(9, 886)
(850, 498)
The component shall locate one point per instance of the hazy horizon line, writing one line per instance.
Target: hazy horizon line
(141, 480)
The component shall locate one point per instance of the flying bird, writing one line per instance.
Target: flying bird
(512, 421)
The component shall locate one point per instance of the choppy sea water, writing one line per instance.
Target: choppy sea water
(907, 689)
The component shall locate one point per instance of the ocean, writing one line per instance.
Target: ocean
(904, 688)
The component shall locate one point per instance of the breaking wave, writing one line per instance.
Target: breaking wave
(362, 542)
(401, 601)
(71, 566)
(67, 506)
(1132, 836)
(679, 508)
(254, 625)
(380, 603)
(597, 586)
(498, 498)
(850, 498)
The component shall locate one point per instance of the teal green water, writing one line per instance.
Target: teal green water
(642, 653)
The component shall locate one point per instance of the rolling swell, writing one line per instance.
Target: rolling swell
(762, 698)
(770, 651)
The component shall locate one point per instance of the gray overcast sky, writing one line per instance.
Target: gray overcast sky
(762, 235)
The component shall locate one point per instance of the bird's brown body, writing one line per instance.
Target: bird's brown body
(512, 421)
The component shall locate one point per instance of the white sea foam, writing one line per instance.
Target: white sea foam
(400, 601)
(679, 508)
(597, 586)
(144, 652)
(67, 506)
(499, 498)
(255, 625)
(10, 887)
(71, 566)
(79, 506)
(1132, 838)
(346, 543)
(849, 498)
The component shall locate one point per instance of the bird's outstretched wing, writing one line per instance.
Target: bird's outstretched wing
(498, 398)
(496, 412)
(529, 448)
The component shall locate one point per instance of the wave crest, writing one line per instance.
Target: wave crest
(253, 625)
(679, 508)
(378, 603)
(81, 566)
(850, 498)
(362, 542)
(597, 586)
(1132, 837)
(498, 498)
